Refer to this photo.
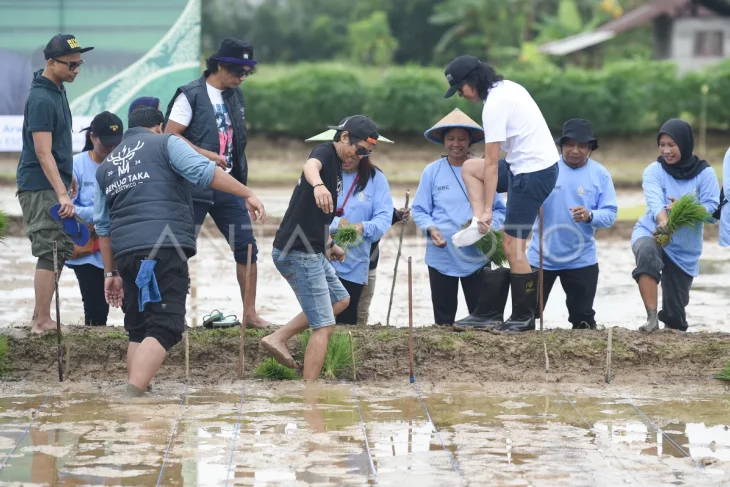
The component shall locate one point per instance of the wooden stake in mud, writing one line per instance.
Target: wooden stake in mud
(242, 343)
(397, 258)
(410, 321)
(547, 363)
(58, 313)
(542, 302)
(352, 354)
(608, 355)
(187, 355)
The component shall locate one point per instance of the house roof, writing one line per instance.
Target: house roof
(633, 19)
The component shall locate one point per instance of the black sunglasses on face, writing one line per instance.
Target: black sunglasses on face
(241, 72)
(362, 151)
(72, 65)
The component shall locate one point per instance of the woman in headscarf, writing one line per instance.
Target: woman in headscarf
(102, 136)
(676, 172)
(440, 208)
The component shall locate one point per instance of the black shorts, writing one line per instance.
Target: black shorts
(164, 321)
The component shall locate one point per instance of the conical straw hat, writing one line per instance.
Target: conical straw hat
(328, 135)
(459, 119)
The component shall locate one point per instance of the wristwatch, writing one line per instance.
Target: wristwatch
(111, 274)
(590, 216)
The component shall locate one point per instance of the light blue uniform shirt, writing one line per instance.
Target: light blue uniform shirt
(441, 201)
(183, 159)
(85, 173)
(373, 207)
(685, 248)
(568, 244)
(725, 213)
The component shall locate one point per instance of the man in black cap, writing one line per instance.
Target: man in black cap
(45, 169)
(220, 135)
(583, 200)
(512, 123)
(303, 247)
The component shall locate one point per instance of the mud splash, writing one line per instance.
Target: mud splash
(292, 434)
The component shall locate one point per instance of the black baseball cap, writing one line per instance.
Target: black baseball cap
(457, 71)
(235, 51)
(62, 44)
(361, 126)
(108, 127)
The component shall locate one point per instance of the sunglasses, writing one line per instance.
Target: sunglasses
(72, 65)
(362, 151)
(241, 72)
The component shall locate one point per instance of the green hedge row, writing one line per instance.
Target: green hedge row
(625, 98)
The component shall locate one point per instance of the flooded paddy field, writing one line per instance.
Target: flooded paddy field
(425, 434)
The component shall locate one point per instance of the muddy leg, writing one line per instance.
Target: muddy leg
(251, 316)
(44, 286)
(316, 351)
(275, 343)
(145, 363)
(648, 287)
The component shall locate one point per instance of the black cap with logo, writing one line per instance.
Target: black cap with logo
(361, 126)
(235, 51)
(457, 71)
(108, 127)
(63, 44)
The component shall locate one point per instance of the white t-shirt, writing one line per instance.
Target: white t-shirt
(512, 117)
(182, 113)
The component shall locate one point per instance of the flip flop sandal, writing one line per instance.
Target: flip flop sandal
(227, 322)
(77, 231)
(215, 316)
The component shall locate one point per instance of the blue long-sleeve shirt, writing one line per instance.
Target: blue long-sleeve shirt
(685, 248)
(441, 201)
(725, 214)
(183, 160)
(373, 207)
(85, 174)
(568, 244)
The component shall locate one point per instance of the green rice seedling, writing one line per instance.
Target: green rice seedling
(273, 370)
(3, 225)
(686, 212)
(724, 374)
(346, 237)
(4, 365)
(491, 246)
(338, 361)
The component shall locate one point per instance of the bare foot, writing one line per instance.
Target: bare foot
(257, 322)
(42, 326)
(278, 350)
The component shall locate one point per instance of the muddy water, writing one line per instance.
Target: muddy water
(215, 287)
(293, 434)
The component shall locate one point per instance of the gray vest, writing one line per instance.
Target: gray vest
(203, 129)
(149, 206)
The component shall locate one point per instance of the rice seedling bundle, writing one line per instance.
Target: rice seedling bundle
(346, 237)
(273, 370)
(686, 212)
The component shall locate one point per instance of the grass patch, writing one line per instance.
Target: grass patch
(3, 225)
(631, 214)
(339, 359)
(4, 362)
(116, 335)
(273, 370)
(385, 335)
(468, 335)
(724, 374)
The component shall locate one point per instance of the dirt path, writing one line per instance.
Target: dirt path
(382, 354)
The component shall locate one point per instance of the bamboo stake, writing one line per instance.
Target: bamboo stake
(608, 355)
(542, 302)
(547, 363)
(59, 354)
(352, 354)
(397, 258)
(410, 320)
(246, 293)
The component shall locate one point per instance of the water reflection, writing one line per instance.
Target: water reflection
(295, 434)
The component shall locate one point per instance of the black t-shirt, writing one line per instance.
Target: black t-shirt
(305, 227)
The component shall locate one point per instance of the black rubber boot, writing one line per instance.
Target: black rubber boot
(492, 300)
(525, 295)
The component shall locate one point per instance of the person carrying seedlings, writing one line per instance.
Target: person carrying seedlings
(303, 247)
(104, 134)
(209, 113)
(681, 192)
(583, 200)
(440, 208)
(512, 122)
(143, 216)
(368, 290)
(45, 170)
